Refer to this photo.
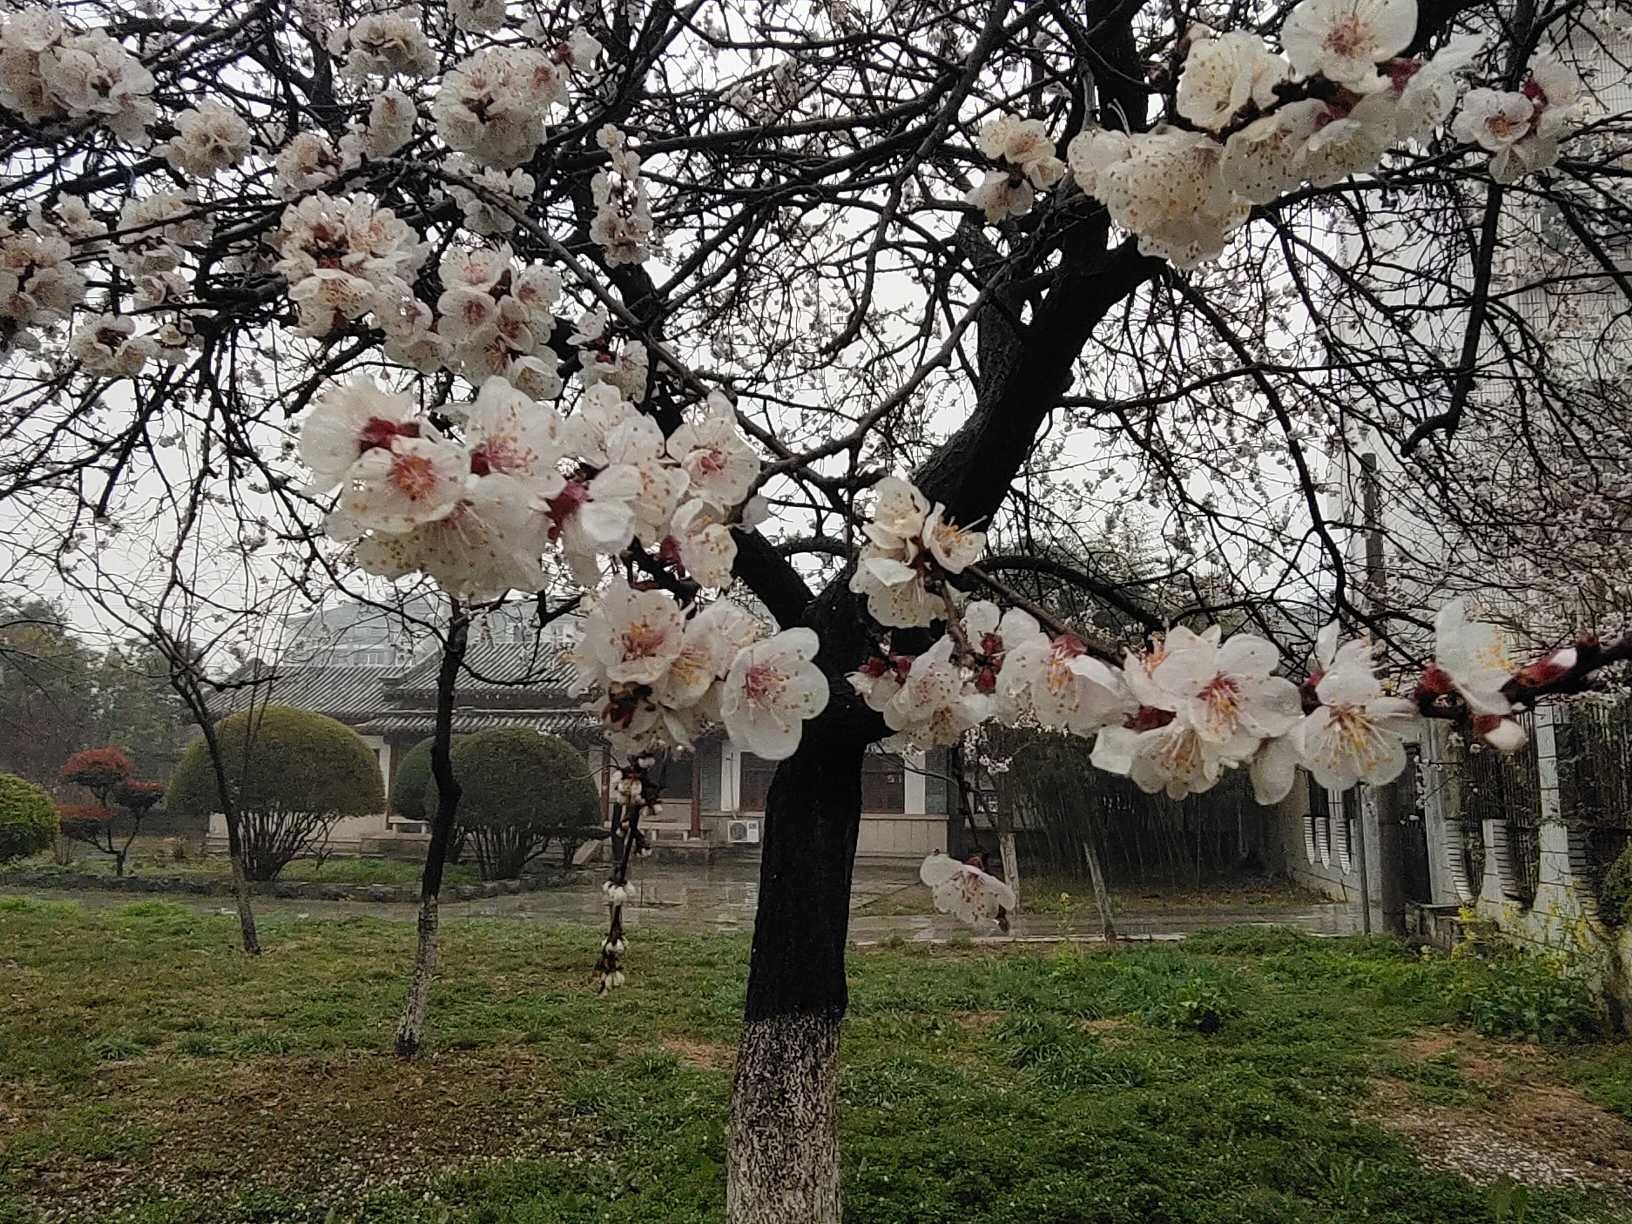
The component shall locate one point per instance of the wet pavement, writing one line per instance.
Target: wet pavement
(722, 897)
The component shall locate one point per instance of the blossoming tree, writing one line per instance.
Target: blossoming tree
(669, 306)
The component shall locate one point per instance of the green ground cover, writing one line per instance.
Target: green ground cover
(149, 1072)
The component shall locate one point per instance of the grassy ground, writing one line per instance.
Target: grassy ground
(1067, 896)
(156, 856)
(148, 1072)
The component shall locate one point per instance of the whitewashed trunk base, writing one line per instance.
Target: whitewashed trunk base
(412, 1027)
(783, 1149)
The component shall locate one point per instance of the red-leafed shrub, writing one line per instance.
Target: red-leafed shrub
(84, 816)
(112, 822)
(98, 770)
(138, 797)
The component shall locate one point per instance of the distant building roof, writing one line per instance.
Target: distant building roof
(569, 724)
(509, 672)
(349, 694)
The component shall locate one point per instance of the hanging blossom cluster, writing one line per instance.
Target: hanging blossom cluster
(623, 215)
(1173, 717)
(1253, 123)
(477, 505)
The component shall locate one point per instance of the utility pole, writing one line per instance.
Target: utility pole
(1385, 800)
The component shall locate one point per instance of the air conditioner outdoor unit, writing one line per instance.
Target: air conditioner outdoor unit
(740, 832)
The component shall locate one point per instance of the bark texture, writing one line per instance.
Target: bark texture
(410, 1029)
(783, 1149)
(240, 888)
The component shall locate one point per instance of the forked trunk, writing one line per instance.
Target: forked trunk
(412, 1025)
(783, 1150)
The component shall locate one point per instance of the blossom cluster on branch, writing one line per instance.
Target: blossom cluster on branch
(1250, 124)
(1176, 714)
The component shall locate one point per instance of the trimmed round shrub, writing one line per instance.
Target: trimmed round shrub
(293, 774)
(413, 782)
(519, 791)
(28, 818)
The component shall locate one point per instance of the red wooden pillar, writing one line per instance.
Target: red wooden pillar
(696, 793)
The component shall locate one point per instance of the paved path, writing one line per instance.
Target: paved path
(723, 896)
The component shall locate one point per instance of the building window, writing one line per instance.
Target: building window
(756, 782)
(883, 783)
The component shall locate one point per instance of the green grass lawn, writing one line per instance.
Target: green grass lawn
(155, 856)
(149, 1072)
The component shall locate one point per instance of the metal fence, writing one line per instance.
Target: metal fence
(1506, 788)
(1595, 778)
(1057, 800)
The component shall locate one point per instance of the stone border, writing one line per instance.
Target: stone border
(300, 890)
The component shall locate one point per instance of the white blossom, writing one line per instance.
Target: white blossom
(477, 16)
(632, 635)
(492, 106)
(593, 517)
(1345, 40)
(209, 139)
(384, 45)
(702, 544)
(1225, 72)
(1025, 147)
(1167, 189)
(1002, 194)
(936, 704)
(308, 161)
(485, 545)
(1427, 89)
(720, 462)
(638, 443)
(510, 434)
(964, 890)
(772, 688)
(411, 481)
(108, 344)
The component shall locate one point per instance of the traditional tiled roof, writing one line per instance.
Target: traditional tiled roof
(569, 724)
(349, 694)
(506, 672)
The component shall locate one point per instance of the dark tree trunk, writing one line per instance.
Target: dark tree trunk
(250, 937)
(411, 1028)
(783, 1152)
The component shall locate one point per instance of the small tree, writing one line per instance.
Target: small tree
(519, 790)
(28, 822)
(111, 824)
(293, 774)
(98, 770)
